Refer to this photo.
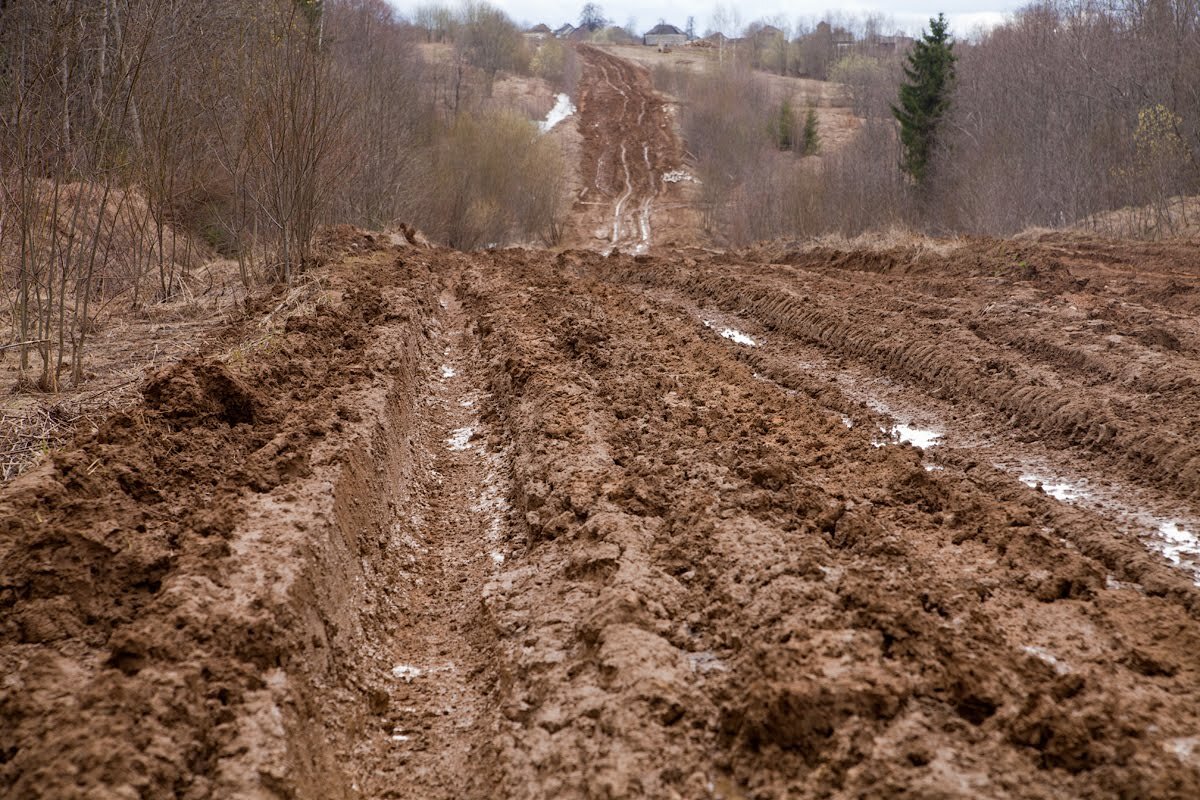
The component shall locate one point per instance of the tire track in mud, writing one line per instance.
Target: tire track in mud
(438, 712)
(955, 362)
(621, 118)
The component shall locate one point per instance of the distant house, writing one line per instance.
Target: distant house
(843, 42)
(719, 39)
(565, 31)
(539, 33)
(887, 45)
(664, 34)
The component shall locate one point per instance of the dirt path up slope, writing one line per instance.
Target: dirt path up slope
(629, 145)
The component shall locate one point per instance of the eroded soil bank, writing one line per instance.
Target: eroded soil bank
(520, 524)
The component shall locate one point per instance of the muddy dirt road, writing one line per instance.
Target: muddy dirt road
(520, 524)
(629, 145)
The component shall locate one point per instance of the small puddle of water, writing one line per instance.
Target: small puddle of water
(922, 438)
(406, 672)
(1057, 488)
(1178, 545)
(1169, 537)
(918, 437)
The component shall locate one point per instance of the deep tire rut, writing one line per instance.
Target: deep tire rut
(439, 705)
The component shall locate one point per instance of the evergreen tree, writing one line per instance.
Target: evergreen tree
(783, 126)
(925, 96)
(812, 139)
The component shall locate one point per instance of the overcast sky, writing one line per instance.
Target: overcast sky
(908, 15)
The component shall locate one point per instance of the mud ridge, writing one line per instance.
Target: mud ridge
(201, 574)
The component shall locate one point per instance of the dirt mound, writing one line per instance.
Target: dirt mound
(134, 572)
(335, 242)
(194, 390)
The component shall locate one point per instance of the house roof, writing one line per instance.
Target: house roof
(540, 28)
(663, 29)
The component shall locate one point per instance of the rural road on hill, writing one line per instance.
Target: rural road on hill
(629, 144)
(785, 522)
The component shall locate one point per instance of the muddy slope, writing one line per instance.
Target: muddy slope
(629, 144)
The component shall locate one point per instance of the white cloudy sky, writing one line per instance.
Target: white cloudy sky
(964, 15)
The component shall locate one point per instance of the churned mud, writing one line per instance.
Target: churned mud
(773, 524)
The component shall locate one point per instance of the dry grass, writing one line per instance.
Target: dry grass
(128, 233)
(888, 240)
(126, 347)
(1178, 219)
(26, 435)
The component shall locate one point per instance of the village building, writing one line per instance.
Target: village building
(662, 35)
(539, 33)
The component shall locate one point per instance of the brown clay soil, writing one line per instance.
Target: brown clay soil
(525, 524)
(631, 159)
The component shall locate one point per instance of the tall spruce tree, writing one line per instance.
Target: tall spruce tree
(925, 96)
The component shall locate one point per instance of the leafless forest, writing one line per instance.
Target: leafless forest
(1072, 113)
(140, 137)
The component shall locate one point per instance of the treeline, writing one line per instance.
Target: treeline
(138, 137)
(1072, 113)
(810, 49)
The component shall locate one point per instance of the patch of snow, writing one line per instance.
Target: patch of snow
(406, 672)
(849, 423)
(497, 557)
(448, 371)
(460, 439)
(678, 176)
(563, 108)
(1042, 654)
